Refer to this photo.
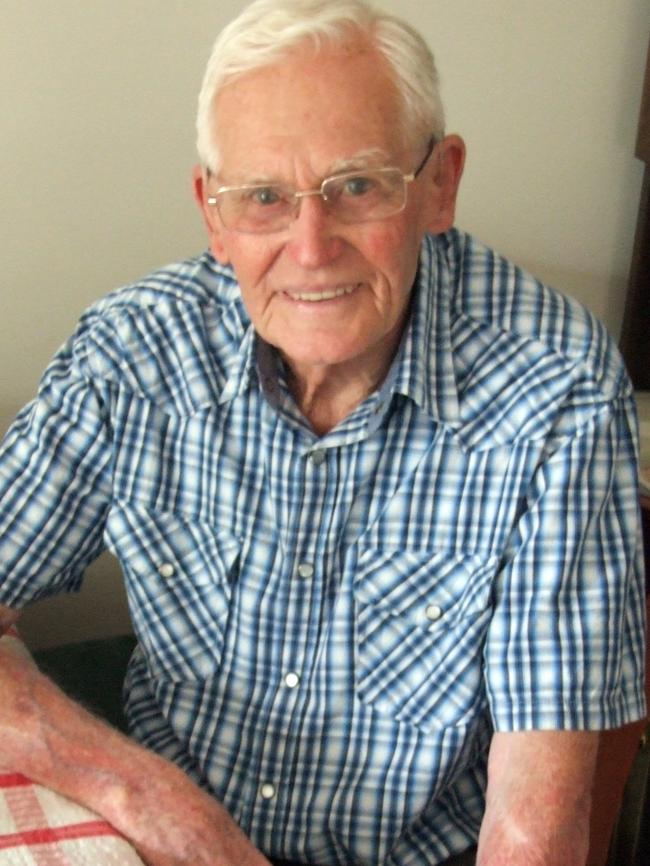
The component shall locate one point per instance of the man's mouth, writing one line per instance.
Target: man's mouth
(323, 295)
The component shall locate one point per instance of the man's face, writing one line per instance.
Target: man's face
(324, 293)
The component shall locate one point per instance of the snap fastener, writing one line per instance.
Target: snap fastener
(317, 457)
(433, 612)
(291, 680)
(166, 570)
(267, 791)
(306, 569)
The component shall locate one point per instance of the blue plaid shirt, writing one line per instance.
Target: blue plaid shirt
(330, 628)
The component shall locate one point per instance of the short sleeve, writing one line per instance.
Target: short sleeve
(565, 648)
(54, 484)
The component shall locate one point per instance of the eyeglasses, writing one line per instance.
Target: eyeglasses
(353, 197)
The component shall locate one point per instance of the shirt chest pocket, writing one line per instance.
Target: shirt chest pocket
(179, 576)
(421, 619)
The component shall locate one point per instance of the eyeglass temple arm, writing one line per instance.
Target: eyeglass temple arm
(430, 149)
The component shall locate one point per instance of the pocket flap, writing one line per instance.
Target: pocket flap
(426, 587)
(163, 546)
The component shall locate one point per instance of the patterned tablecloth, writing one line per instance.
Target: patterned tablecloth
(39, 827)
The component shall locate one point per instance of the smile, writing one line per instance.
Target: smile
(325, 295)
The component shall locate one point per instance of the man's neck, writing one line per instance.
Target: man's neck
(327, 395)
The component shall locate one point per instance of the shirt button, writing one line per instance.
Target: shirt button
(306, 569)
(433, 612)
(166, 570)
(291, 680)
(317, 457)
(267, 791)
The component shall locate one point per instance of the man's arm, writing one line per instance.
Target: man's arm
(46, 736)
(538, 799)
(7, 618)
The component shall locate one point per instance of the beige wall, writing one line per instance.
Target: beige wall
(96, 137)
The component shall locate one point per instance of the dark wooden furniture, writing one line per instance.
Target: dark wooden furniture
(620, 820)
(635, 332)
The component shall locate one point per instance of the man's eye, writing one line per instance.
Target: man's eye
(265, 195)
(358, 185)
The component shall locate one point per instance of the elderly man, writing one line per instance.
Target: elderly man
(371, 486)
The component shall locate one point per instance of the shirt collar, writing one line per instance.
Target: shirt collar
(242, 367)
(256, 362)
(423, 369)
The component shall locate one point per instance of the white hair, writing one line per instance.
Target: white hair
(267, 30)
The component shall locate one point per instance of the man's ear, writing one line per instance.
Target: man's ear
(210, 217)
(445, 171)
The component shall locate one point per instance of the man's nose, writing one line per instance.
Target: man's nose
(313, 241)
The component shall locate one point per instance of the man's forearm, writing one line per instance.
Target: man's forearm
(538, 799)
(506, 842)
(49, 738)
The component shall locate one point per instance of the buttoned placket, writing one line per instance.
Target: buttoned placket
(306, 575)
(321, 505)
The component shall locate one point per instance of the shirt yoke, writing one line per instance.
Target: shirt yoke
(530, 363)
(171, 337)
(498, 297)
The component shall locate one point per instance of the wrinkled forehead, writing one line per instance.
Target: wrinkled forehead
(336, 105)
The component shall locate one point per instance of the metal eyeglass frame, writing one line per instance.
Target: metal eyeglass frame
(213, 200)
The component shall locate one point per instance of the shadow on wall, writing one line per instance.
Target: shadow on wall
(99, 610)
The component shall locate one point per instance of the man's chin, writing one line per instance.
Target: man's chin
(317, 354)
